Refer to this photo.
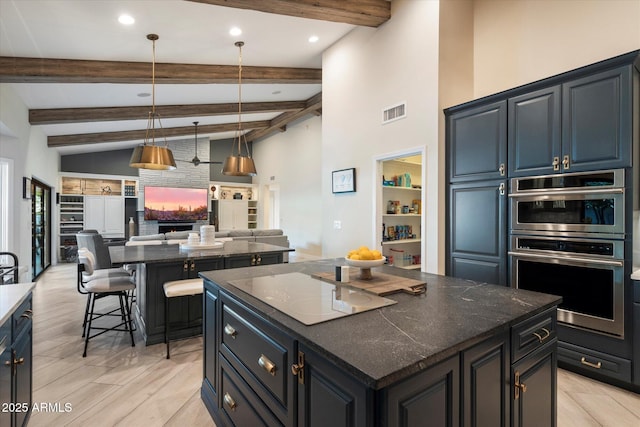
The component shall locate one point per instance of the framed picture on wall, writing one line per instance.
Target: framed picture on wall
(26, 188)
(343, 180)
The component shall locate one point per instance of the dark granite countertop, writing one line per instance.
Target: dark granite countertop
(386, 345)
(167, 253)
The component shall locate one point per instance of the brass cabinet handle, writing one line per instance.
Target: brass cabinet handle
(258, 259)
(501, 169)
(518, 386)
(228, 329)
(297, 369)
(185, 266)
(565, 162)
(501, 188)
(193, 265)
(230, 402)
(267, 364)
(542, 337)
(19, 361)
(584, 361)
(556, 163)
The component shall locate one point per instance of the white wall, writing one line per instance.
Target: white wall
(291, 161)
(27, 147)
(518, 42)
(366, 71)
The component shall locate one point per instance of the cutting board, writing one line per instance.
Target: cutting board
(381, 284)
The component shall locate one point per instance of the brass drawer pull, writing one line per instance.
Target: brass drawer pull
(267, 365)
(543, 336)
(584, 361)
(230, 402)
(519, 386)
(230, 331)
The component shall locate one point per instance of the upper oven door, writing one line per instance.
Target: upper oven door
(584, 211)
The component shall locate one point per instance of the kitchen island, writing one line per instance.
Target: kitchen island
(157, 264)
(462, 353)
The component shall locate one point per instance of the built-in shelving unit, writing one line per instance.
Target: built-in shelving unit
(402, 212)
(90, 201)
(71, 222)
(252, 214)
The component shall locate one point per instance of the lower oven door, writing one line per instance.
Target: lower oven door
(592, 290)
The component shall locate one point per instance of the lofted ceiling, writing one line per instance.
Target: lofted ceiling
(86, 78)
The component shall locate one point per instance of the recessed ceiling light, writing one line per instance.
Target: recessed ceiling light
(235, 31)
(313, 39)
(144, 94)
(126, 19)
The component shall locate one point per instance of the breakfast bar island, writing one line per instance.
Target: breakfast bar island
(461, 353)
(156, 264)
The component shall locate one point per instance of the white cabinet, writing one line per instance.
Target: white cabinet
(234, 214)
(105, 214)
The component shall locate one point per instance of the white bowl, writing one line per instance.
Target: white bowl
(365, 263)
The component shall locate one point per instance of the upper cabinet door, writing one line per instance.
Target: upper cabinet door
(597, 121)
(534, 133)
(477, 143)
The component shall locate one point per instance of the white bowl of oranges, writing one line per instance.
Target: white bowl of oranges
(365, 258)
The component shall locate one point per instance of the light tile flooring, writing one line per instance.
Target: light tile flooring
(117, 384)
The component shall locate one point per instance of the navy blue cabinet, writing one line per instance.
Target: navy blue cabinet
(16, 366)
(477, 143)
(477, 231)
(535, 133)
(583, 124)
(327, 396)
(597, 121)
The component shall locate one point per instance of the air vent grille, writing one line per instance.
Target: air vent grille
(394, 112)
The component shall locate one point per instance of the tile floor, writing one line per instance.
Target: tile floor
(120, 385)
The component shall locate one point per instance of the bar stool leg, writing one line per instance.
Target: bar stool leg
(166, 324)
(89, 320)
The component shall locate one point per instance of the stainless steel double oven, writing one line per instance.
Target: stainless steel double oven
(567, 237)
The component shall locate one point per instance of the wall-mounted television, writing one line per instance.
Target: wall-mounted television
(170, 204)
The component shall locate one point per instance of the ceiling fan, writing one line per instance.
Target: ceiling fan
(196, 161)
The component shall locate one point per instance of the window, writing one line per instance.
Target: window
(6, 166)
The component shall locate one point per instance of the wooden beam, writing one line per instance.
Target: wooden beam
(313, 104)
(80, 115)
(369, 13)
(133, 135)
(46, 70)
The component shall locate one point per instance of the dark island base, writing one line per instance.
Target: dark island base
(263, 368)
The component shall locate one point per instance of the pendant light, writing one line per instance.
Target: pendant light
(239, 164)
(149, 155)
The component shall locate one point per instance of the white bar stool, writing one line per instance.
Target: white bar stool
(178, 288)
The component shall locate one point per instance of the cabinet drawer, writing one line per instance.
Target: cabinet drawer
(263, 351)
(22, 317)
(533, 333)
(239, 403)
(594, 361)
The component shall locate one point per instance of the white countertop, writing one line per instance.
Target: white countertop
(635, 275)
(11, 296)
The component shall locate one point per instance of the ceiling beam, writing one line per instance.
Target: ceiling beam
(369, 13)
(133, 135)
(280, 122)
(52, 116)
(47, 70)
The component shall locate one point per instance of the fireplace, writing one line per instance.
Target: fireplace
(167, 228)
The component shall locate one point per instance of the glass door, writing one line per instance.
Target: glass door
(41, 228)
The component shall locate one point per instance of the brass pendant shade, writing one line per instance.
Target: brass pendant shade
(148, 155)
(239, 164)
(152, 157)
